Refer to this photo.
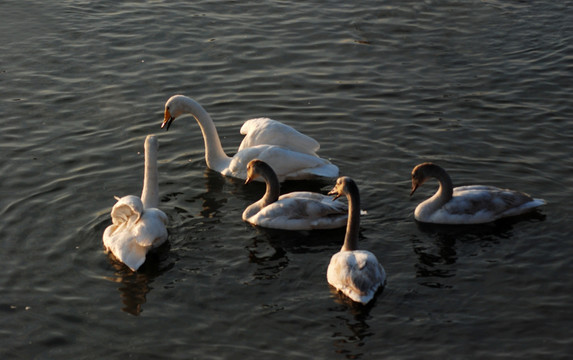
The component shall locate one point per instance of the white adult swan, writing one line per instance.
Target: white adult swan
(299, 210)
(355, 273)
(473, 204)
(138, 225)
(290, 153)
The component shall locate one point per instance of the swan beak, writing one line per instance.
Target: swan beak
(167, 120)
(249, 179)
(414, 187)
(334, 192)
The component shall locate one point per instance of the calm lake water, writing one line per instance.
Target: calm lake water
(482, 88)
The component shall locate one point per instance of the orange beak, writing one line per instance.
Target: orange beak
(167, 120)
(334, 192)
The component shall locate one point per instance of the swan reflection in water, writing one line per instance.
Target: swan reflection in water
(134, 286)
(437, 259)
(352, 330)
(271, 259)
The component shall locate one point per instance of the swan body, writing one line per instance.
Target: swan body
(355, 273)
(473, 204)
(291, 154)
(137, 224)
(299, 210)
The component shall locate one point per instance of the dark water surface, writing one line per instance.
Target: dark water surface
(481, 87)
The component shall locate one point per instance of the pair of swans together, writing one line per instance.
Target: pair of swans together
(293, 157)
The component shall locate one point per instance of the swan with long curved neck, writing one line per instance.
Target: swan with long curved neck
(299, 210)
(473, 204)
(355, 273)
(290, 153)
(137, 224)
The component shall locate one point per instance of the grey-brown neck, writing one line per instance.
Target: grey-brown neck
(273, 186)
(446, 189)
(150, 192)
(353, 223)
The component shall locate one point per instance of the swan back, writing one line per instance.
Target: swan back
(265, 131)
(473, 204)
(357, 274)
(301, 210)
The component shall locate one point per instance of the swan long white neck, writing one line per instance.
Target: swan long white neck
(214, 154)
(150, 192)
(353, 223)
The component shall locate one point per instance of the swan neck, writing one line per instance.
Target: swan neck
(446, 189)
(273, 188)
(353, 222)
(214, 153)
(150, 192)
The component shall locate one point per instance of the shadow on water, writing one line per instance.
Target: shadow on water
(300, 241)
(269, 249)
(135, 285)
(437, 259)
(270, 258)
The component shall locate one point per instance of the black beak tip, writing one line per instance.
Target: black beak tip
(167, 124)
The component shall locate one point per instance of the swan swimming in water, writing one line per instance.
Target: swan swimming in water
(473, 204)
(137, 224)
(291, 154)
(299, 210)
(355, 273)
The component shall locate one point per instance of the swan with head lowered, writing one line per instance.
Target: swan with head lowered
(299, 210)
(291, 154)
(473, 204)
(355, 273)
(137, 224)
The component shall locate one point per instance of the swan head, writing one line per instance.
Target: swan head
(151, 142)
(344, 186)
(174, 107)
(421, 173)
(256, 168)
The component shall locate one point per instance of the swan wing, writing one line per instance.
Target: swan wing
(313, 204)
(265, 131)
(476, 204)
(287, 164)
(302, 211)
(357, 274)
(126, 209)
(150, 231)
(473, 199)
(119, 240)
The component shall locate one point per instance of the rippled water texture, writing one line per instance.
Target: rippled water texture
(481, 87)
